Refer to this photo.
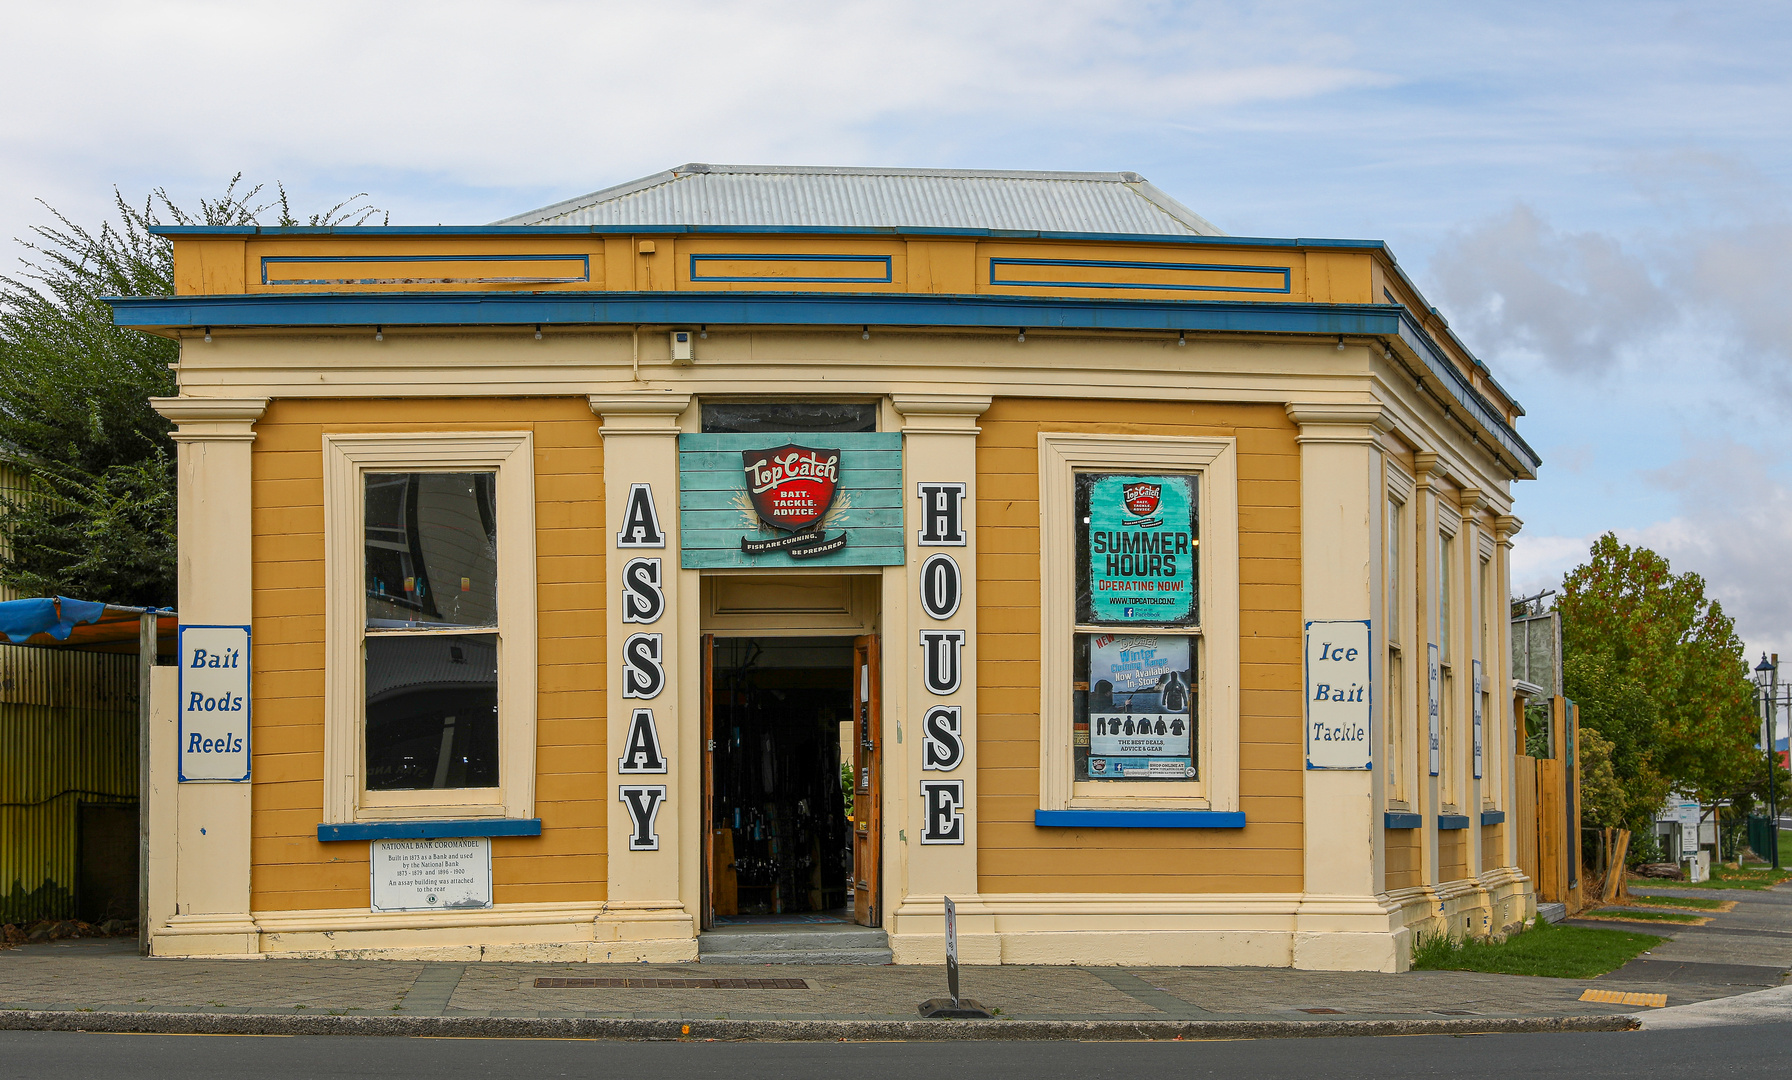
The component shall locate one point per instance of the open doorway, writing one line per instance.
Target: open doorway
(780, 780)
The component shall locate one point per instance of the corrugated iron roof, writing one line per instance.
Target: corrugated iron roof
(819, 197)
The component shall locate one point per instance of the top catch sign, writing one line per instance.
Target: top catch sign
(1338, 700)
(790, 499)
(214, 703)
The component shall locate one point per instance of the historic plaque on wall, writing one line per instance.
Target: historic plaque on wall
(787, 499)
(431, 875)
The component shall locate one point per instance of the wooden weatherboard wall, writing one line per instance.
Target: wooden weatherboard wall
(1016, 856)
(715, 512)
(568, 862)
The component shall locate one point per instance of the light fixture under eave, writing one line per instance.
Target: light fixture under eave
(1386, 353)
(1181, 338)
(1340, 342)
(1023, 336)
(537, 331)
(865, 334)
(208, 335)
(703, 332)
(379, 333)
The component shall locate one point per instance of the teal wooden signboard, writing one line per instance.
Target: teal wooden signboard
(788, 499)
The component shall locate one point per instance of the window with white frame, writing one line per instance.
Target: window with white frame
(430, 613)
(1139, 621)
(1446, 633)
(1396, 590)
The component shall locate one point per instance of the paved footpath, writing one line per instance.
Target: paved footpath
(106, 979)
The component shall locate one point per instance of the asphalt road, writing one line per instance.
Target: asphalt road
(1706, 1052)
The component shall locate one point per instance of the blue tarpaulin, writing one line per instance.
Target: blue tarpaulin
(21, 620)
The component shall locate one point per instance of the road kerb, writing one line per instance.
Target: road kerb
(656, 1030)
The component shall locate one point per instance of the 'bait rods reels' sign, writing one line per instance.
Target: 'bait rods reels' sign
(214, 703)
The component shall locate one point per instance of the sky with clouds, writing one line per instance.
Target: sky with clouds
(1597, 195)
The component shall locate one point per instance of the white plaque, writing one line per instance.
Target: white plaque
(429, 875)
(214, 703)
(1338, 699)
(1477, 700)
(1432, 724)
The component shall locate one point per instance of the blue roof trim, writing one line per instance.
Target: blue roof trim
(757, 230)
(430, 830)
(1451, 822)
(1493, 817)
(821, 309)
(1394, 819)
(1139, 819)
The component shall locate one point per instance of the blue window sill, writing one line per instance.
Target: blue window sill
(1139, 819)
(1493, 817)
(430, 830)
(1450, 822)
(1394, 819)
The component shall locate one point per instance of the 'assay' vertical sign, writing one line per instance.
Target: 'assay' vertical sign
(644, 672)
(1338, 697)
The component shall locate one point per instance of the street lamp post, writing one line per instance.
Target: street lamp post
(1767, 678)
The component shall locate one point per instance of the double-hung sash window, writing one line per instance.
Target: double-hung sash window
(1139, 605)
(430, 590)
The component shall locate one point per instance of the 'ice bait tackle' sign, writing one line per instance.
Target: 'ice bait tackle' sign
(790, 499)
(1338, 699)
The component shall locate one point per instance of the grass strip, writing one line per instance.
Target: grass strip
(1645, 915)
(1701, 903)
(1558, 952)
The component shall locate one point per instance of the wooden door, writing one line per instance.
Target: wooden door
(867, 798)
(709, 782)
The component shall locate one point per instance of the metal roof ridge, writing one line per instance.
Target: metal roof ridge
(696, 167)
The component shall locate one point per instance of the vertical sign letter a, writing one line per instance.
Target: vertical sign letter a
(640, 521)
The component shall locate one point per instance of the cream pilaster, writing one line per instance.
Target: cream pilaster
(1341, 924)
(650, 912)
(939, 437)
(1505, 738)
(1429, 791)
(211, 820)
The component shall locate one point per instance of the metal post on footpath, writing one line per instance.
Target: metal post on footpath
(954, 1007)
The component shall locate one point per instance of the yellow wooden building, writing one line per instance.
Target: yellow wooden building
(558, 588)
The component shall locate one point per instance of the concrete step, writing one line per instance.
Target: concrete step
(1554, 913)
(868, 957)
(794, 945)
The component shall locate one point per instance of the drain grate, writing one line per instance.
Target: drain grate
(671, 984)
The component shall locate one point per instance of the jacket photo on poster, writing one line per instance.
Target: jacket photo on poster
(1139, 718)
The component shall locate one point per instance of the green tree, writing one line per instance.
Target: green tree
(1659, 672)
(96, 516)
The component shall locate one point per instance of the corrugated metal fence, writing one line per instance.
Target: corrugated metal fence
(68, 736)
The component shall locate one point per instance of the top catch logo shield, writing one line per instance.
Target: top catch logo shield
(792, 487)
(1141, 501)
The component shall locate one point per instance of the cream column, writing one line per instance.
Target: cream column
(1508, 741)
(655, 863)
(1341, 925)
(211, 819)
(1428, 790)
(939, 467)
